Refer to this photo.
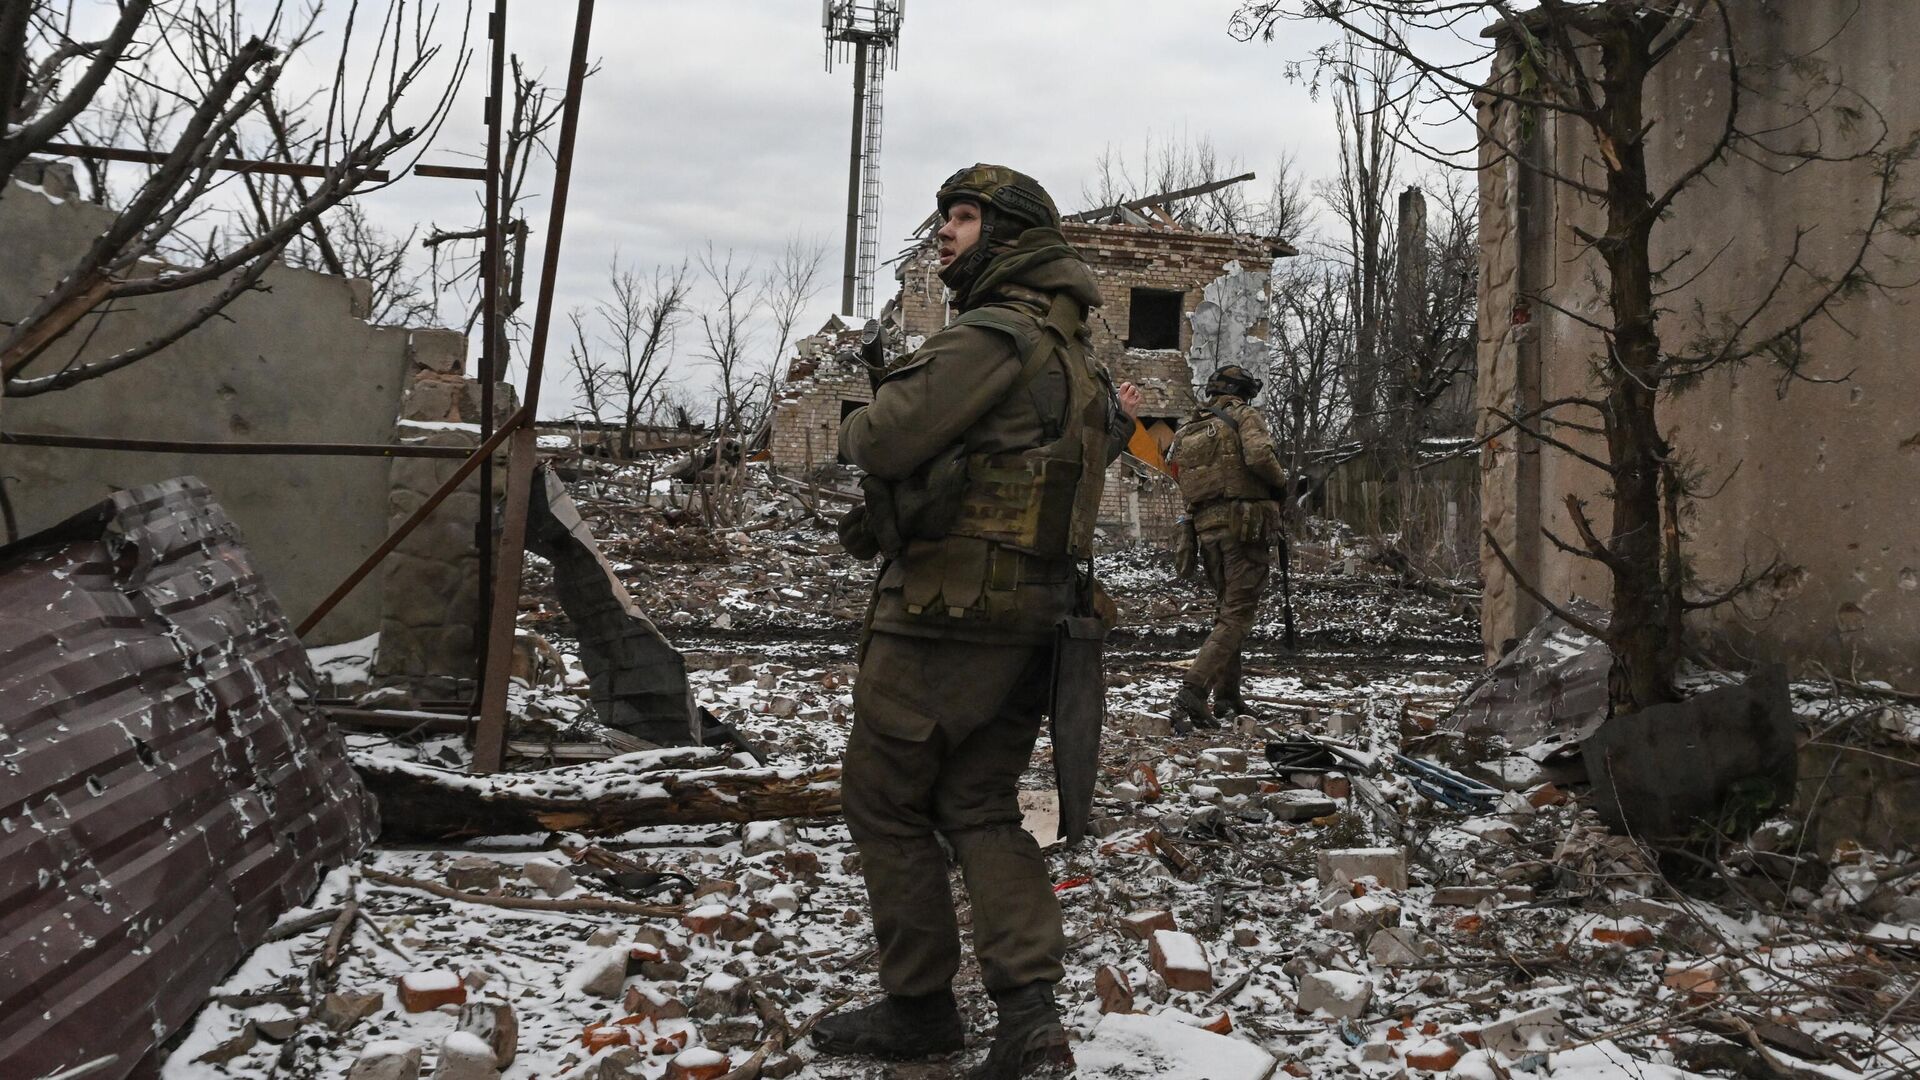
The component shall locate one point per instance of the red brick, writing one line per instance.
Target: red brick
(1633, 937)
(420, 991)
(1546, 795)
(1141, 924)
(1179, 978)
(1433, 1056)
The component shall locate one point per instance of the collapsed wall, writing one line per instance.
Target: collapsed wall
(298, 362)
(1815, 480)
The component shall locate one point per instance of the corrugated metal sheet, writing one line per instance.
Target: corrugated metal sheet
(163, 796)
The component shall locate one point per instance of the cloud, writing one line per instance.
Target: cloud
(714, 121)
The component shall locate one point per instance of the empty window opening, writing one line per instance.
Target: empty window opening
(1153, 319)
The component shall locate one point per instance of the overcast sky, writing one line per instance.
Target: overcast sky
(715, 121)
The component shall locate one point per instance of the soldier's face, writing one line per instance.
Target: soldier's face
(960, 231)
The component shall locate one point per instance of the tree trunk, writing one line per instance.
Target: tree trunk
(1643, 630)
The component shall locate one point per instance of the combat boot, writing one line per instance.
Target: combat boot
(896, 1028)
(1029, 1041)
(1227, 703)
(1189, 708)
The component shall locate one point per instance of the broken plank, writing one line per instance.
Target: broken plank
(421, 802)
(528, 903)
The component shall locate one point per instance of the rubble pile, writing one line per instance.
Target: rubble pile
(1340, 886)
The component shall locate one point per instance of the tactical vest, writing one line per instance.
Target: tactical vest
(1044, 501)
(1209, 463)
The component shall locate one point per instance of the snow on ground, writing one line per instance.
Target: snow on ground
(1525, 940)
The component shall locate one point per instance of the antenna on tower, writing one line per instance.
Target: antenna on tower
(870, 33)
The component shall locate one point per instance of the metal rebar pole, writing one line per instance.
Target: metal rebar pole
(489, 744)
(489, 329)
(480, 453)
(253, 449)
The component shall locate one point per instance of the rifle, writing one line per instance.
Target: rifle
(873, 345)
(1286, 588)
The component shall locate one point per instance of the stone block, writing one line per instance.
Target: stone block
(471, 872)
(1363, 915)
(1533, 1031)
(551, 878)
(423, 991)
(1113, 988)
(1342, 995)
(619, 1063)
(652, 1005)
(388, 1059)
(1297, 805)
(1400, 946)
(604, 974)
(1180, 960)
(494, 1023)
(722, 995)
(765, 837)
(1464, 895)
(443, 351)
(465, 1056)
(342, 1009)
(1225, 758)
(1386, 866)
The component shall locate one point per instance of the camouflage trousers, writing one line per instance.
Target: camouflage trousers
(942, 731)
(1238, 573)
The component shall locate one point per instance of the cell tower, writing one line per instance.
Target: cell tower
(870, 33)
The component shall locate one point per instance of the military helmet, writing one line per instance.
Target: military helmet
(1234, 380)
(1001, 192)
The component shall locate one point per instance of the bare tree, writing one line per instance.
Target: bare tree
(1287, 212)
(592, 379)
(1585, 69)
(218, 75)
(455, 271)
(1309, 345)
(1174, 165)
(640, 320)
(727, 329)
(1358, 196)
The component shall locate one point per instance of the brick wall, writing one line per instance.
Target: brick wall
(1138, 502)
(806, 421)
(1123, 258)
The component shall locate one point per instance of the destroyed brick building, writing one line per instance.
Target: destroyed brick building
(1815, 479)
(1169, 296)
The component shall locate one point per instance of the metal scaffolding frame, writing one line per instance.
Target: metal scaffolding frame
(501, 560)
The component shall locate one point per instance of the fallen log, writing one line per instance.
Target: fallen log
(421, 802)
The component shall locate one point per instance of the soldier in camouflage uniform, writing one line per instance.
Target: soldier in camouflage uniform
(986, 449)
(1232, 480)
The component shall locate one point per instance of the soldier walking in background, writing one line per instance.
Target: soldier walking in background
(1232, 482)
(985, 450)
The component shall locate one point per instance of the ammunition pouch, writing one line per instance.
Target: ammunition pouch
(1021, 501)
(1186, 548)
(1254, 521)
(921, 507)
